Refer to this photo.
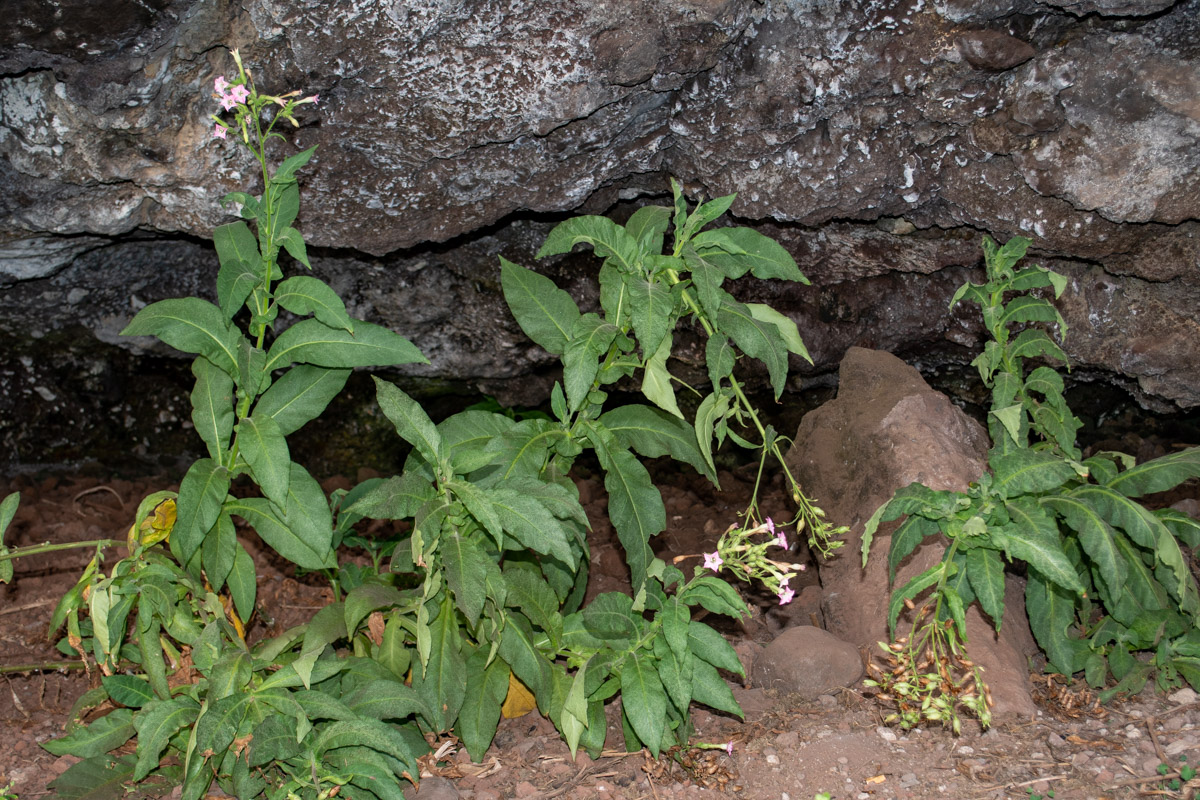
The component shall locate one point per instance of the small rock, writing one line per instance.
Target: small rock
(808, 661)
(887, 734)
(525, 789)
(435, 788)
(993, 50)
(908, 779)
(1183, 696)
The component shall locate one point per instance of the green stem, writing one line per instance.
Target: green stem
(49, 666)
(37, 549)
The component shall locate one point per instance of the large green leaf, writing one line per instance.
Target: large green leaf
(362, 600)
(191, 325)
(312, 342)
(266, 451)
(648, 226)
(97, 738)
(643, 699)
(398, 497)
(522, 450)
(411, 421)
(519, 652)
(763, 256)
(529, 592)
(653, 432)
(1026, 471)
(907, 538)
(705, 643)
(156, 724)
(608, 239)
(651, 307)
(1051, 612)
(531, 523)
(545, 312)
(443, 685)
(386, 700)
(1095, 537)
(96, 778)
(201, 495)
(786, 326)
(1034, 538)
(465, 437)
(212, 407)
(914, 587)
(305, 294)
(635, 507)
(242, 582)
(1139, 524)
(378, 736)
(1158, 475)
(291, 544)
(1025, 308)
(985, 572)
(468, 571)
(611, 619)
(241, 265)
(709, 688)
(300, 395)
(757, 339)
(480, 713)
(590, 339)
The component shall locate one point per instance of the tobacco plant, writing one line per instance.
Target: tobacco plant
(1106, 577)
(285, 717)
(498, 536)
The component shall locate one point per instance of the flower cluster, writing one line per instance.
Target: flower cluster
(747, 559)
(240, 97)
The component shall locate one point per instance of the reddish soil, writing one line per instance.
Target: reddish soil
(787, 748)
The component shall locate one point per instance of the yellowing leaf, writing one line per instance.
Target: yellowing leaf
(520, 701)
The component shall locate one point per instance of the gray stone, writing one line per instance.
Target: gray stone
(432, 788)
(993, 50)
(885, 430)
(807, 661)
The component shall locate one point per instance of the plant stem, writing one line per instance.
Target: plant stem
(46, 547)
(49, 666)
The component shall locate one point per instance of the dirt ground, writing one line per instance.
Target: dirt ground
(787, 749)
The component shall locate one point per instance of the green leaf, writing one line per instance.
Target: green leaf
(411, 421)
(643, 699)
(274, 739)
(531, 523)
(378, 736)
(212, 407)
(709, 688)
(985, 571)
(635, 507)
(201, 495)
(1184, 526)
(519, 652)
(712, 411)
(1051, 613)
(293, 242)
(1032, 309)
(590, 339)
(529, 592)
(300, 396)
(1001, 260)
(287, 170)
(303, 295)
(396, 498)
(705, 643)
(1011, 417)
(786, 326)
(480, 713)
(443, 685)
(610, 618)
(312, 342)
(906, 538)
(97, 738)
(242, 582)
(716, 595)
(130, 691)
(1096, 538)
(191, 325)
(241, 265)
(1119, 511)
(608, 239)
(719, 357)
(362, 600)
(465, 437)
(757, 339)
(1026, 471)
(262, 445)
(1034, 538)
(292, 545)
(913, 588)
(707, 278)
(764, 257)
(651, 308)
(1033, 342)
(1158, 475)
(387, 700)
(545, 313)
(656, 381)
(653, 432)
(647, 226)
(96, 778)
(706, 213)
(1183, 587)
(393, 653)
(156, 724)
(468, 571)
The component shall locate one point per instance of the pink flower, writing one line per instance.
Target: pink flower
(219, 131)
(770, 526)
(781, 540)
(786, 596)
(313, 99)
(228, 102)
(239, 93)
(729, 747)
(220, 84)
(713, 561)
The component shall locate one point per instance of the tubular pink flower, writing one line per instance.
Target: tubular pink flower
(239, 93)
(219, 131)
(770, 526)
(729, 747)
(781, 540)
(228, 102)
(220, 85)
(713, 561)
(312, 99)
(786, 596)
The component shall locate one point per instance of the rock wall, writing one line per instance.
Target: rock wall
(878, 140)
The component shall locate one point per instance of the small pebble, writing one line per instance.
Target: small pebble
(772, 758)
(886, 734)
